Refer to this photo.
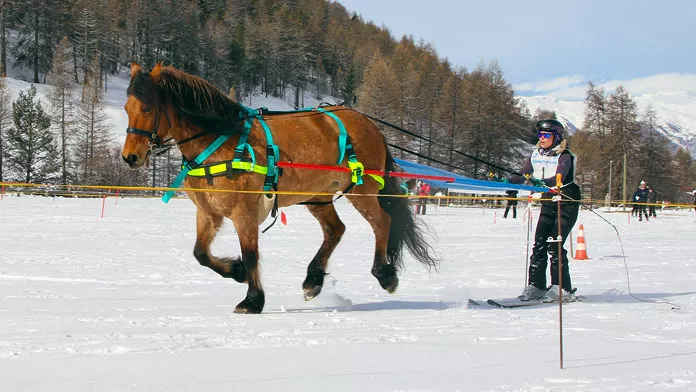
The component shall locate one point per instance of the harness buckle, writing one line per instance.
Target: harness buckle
(154, 142)
(189, 165)
(357, 170)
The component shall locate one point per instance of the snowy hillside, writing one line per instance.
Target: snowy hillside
(676, 112)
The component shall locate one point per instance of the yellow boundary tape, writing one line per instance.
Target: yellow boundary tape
(64, 189)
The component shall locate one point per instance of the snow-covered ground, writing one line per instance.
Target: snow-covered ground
(120, 304)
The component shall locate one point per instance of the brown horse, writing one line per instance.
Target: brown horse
(169, 104)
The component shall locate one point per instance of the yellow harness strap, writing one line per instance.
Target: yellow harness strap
(221, 168)
(379, 179)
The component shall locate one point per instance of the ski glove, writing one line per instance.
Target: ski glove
(536, 182)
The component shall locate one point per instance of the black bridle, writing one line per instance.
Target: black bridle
(157, 145)
(154, 141)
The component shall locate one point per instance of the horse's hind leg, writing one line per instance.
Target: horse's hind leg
(380, 221)
(333, 230)
(207, 227)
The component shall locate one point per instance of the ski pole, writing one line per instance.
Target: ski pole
(559, 238)
(528, 214)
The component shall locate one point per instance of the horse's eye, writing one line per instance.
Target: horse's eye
(147, 109)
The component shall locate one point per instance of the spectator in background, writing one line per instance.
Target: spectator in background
(640, 197)
(423, 190)
(652, 200)
(511, 203)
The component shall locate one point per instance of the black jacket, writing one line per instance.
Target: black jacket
(640, 195)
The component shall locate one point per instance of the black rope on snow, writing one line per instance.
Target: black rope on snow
(623, 255)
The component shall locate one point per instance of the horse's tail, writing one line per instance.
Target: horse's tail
(403, 229)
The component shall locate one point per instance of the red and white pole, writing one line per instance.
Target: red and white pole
(103, 205)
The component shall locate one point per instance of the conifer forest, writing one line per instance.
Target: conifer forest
(287, 48)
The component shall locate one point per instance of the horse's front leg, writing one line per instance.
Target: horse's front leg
(207, 227)
(248, 233)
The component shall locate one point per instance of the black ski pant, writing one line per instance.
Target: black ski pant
(514, 210)
(642, 212)
(548, 227)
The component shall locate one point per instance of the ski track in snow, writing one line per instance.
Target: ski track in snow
(120, 303)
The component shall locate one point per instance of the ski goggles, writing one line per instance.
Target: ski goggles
(544, 135)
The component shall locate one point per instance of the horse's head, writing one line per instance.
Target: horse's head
(146, 109)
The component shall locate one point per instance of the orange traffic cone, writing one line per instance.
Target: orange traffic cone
(581, 250)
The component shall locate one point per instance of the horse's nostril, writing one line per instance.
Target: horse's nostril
(131, 160)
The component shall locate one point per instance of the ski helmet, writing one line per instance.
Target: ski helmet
(551, 126)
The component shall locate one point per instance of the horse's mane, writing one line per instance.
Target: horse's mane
(196, 100)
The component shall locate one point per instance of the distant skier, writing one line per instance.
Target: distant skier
(548, 159)
(511, 203)
(640, 197)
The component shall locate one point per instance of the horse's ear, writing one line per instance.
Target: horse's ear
(135, 68)
(155, 73)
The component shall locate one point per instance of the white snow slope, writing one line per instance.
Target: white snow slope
(120, 304)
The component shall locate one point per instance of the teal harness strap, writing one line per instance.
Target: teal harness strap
(242, 145)
(342, 134)
(272, 156)
(188, 166)
(345, 145)
(272, 151)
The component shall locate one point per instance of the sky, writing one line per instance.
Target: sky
(546, 46)
(119, 303)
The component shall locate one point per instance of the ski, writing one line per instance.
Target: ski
(516, 303)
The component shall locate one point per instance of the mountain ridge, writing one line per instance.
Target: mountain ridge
(676, 113)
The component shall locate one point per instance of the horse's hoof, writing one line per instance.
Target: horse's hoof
(242, 310)
(249, 306)
(391, 286)
(387, 278)
(313, 283)
(311, 292)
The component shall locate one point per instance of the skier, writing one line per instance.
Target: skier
(640, 197)
(550, 157)
(511, 203)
